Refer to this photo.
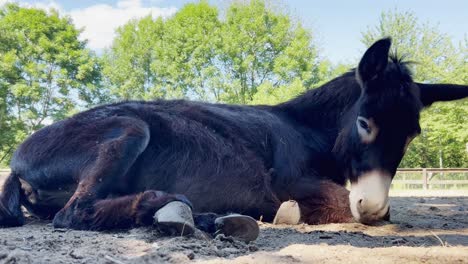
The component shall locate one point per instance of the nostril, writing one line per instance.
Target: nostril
(360, 205)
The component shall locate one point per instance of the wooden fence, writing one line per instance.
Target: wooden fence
(427, 174)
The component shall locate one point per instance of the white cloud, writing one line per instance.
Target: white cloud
(100, 21)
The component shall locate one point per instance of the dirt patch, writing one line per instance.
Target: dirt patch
(423, 229)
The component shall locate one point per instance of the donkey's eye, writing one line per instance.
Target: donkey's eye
(366, 129)
(364, 125)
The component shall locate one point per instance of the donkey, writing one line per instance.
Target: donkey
(115, 166)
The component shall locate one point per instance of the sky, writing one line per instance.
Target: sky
(337, 25)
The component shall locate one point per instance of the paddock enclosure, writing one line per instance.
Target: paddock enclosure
(423, 229)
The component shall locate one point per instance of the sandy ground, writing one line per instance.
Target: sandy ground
(422, 230)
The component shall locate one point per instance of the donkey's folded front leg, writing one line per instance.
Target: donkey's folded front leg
(330, 204)
(121, 212)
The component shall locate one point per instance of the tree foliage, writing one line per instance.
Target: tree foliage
(198, 55)
(45, 72)
(444, 136)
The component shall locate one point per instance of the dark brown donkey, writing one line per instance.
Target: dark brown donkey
(115, 165)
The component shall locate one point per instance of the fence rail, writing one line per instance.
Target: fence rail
(426, 176)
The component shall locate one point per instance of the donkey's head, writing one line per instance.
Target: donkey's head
(380, 126)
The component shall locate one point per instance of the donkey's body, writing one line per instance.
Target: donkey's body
(224, 158)
(113, 166)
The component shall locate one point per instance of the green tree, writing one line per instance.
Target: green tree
(151, 58)
(266, 50)
(127, 65)
(187, 58)
(268, 94)
(436, 59)
(45, 72)
(196, 54)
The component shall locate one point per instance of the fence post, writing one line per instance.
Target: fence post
(425, 180)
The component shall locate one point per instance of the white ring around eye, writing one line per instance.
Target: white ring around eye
(367, 135)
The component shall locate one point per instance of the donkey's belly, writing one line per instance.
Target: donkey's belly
(227, 196)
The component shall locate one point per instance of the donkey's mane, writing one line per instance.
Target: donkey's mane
(399, 67)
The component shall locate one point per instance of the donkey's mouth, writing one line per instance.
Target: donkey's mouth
(373, 219)
(368, 198)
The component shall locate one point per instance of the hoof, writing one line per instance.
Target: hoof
(175, 218)
(240, 227)
(289, 213)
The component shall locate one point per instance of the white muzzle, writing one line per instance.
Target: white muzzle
(368, 198)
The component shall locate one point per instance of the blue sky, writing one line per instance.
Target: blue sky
(336, 24)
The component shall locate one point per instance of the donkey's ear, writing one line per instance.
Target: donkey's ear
(431, 93)
(374, 61)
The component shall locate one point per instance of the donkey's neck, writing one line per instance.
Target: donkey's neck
(322, 110)
(325, 106)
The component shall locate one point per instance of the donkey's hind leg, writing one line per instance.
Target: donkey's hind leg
(123, 139)
(119, 141)
(10, 207)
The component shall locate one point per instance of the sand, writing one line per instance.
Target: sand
(422, 230)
